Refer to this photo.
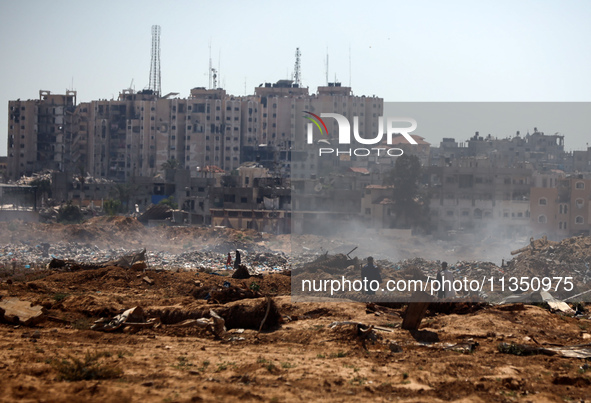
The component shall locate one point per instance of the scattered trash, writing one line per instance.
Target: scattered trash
(215, 324)
(133, 318)
(360, 325)
(578, 351)
(466, 347)
(539, 297)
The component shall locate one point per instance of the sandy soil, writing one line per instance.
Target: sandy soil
(301, 359)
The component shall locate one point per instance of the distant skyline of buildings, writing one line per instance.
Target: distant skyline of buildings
(518, 183)
(140, 131)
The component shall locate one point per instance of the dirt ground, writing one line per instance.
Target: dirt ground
(453, 357)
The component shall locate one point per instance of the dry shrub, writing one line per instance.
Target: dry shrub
(89, 368)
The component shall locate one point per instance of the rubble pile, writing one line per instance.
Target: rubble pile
(29, 180)
(430, 267)
(572, 250)
(37, 256)
(128, 232)
(570, 257)
(33, 245)
(541, 267)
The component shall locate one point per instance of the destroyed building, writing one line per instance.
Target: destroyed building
(542, 151)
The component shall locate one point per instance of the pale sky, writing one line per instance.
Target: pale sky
(399, 50)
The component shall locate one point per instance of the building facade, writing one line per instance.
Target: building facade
(40, 133)
(562, 210)
(142, 133)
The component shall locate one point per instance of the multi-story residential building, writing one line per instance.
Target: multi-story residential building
(217, 126)
(281, 109)
(3, 168)
(136, 134)
(543, 151)
(253, 200)
(470, 194)
(335, 98)
(376, 206)
(448, 150)
(39, 133)
(332, 98)
(563, 209)
(139, 133)
(581, 160)
(422, 150)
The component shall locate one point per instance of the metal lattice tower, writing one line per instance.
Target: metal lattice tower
(297, 71)
(155, 64)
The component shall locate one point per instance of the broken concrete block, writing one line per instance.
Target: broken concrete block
(148, 280)
(17, 311)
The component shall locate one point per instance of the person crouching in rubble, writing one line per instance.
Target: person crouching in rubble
(370, 272)
(445, 279)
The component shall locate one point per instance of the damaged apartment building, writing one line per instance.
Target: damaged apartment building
(542, 151)
(512, 186)
(135, 135)
(136, 138)
(560, 205)
(139, 133)
(141, 137)
(469, 194)
(473, 194)
(41, 134)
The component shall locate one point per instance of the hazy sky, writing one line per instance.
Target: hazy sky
(400, 50)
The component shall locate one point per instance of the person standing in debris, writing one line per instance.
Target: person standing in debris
(240, 271)
(369, 273)
(229, 261)
(440, 293)
(445, 279)
(237, 260)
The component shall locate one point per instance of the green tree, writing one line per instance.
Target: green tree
(112, 207)
(170, 202)
(124, 192)
(170, 164)
(411, 203)
(69, 214)
(43, 187)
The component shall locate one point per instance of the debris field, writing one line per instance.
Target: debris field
(94, 317)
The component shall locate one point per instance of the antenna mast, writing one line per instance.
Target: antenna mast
(327, 66)
(297, 72)
(349, 65)
(155, 65)
(210, 66)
